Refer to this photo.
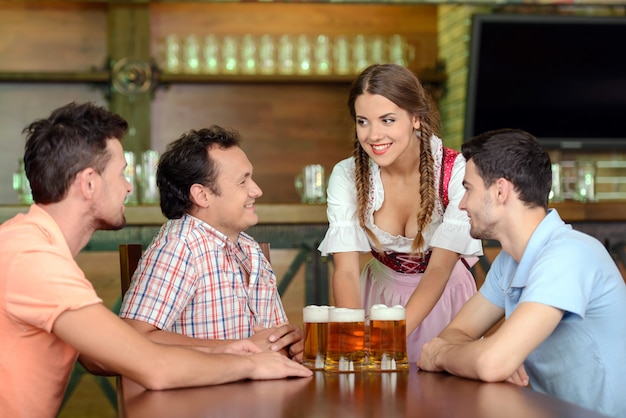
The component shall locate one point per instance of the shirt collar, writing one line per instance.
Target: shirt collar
(538, 240)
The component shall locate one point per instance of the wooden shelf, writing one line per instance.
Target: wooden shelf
(104, 77)
(430, 77)
(268, 214)
(56, 77)
(294, 213)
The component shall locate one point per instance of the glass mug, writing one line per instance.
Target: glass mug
(359, 53)
(378, 50)
(304, 57)
(400, 51)
(146, 177)
(311, 184)
(211, 57)
(286, 58)
(267, 55)
(173, 55)
(341, 55)
(388, 338)
(322, 61)
(586, 181)
(21, 185)
(230, 54)
(130, 172)
(315, 320)
(248, 51)
(191, 54)
(345, 351)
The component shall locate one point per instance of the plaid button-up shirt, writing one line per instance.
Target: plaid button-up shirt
(191, 280)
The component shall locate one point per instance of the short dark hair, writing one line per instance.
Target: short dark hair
(517, 156)
(186, 162)
(71, 139)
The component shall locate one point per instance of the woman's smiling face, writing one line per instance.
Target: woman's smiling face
(385, 131)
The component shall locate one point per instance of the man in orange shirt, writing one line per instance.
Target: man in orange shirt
(49, 311)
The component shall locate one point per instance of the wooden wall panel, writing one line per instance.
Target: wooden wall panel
(52, 36)
(283, 126)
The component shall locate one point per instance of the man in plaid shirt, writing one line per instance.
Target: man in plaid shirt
(202, 280)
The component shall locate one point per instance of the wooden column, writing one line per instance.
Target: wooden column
(129, 39)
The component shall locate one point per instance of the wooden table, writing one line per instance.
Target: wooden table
(386, 395)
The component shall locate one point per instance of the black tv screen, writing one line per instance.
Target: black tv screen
(561, 78)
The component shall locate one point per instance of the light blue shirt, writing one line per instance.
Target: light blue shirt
(584, 360)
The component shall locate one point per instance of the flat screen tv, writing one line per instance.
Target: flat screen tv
(561, 78)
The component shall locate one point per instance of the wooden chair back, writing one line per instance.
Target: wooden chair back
(130, 254)
(265, 247)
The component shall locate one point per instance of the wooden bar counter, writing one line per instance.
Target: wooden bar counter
(403, 394)
(293, 213)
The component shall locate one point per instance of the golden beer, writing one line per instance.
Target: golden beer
(315, 320)
(346, 340)
(388, 338)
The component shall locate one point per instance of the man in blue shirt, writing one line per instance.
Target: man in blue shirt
(562, 295)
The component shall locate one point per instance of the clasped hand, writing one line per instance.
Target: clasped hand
(287, 339)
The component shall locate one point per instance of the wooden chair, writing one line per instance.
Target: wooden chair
(129, 259)
(265, 247)
(130, 254)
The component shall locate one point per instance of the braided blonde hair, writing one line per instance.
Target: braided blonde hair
(402, 87)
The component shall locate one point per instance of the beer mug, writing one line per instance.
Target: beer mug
(345, 351)
(304, 56)
(388, 338)
(211, 57)
(359, 53)
(315, 320)
(378, 50)
(21, 185)
(341, 55)
(400, 51)
(322, 61)
(230, 54)
(173, 55)
(267, 55)
(555, 190)
(130, 172)
(248, 51)
(311, 184)
(146, 178)
(286, 58)
(191, 54)
(586, 181)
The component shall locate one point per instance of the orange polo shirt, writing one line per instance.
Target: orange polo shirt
(39, 280)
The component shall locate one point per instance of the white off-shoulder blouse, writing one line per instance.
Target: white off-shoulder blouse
(449, 229)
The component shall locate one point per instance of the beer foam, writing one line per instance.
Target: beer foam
(347, 315)
(314, 313)
(385, 313)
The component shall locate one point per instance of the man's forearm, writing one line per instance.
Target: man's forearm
(174, 338)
